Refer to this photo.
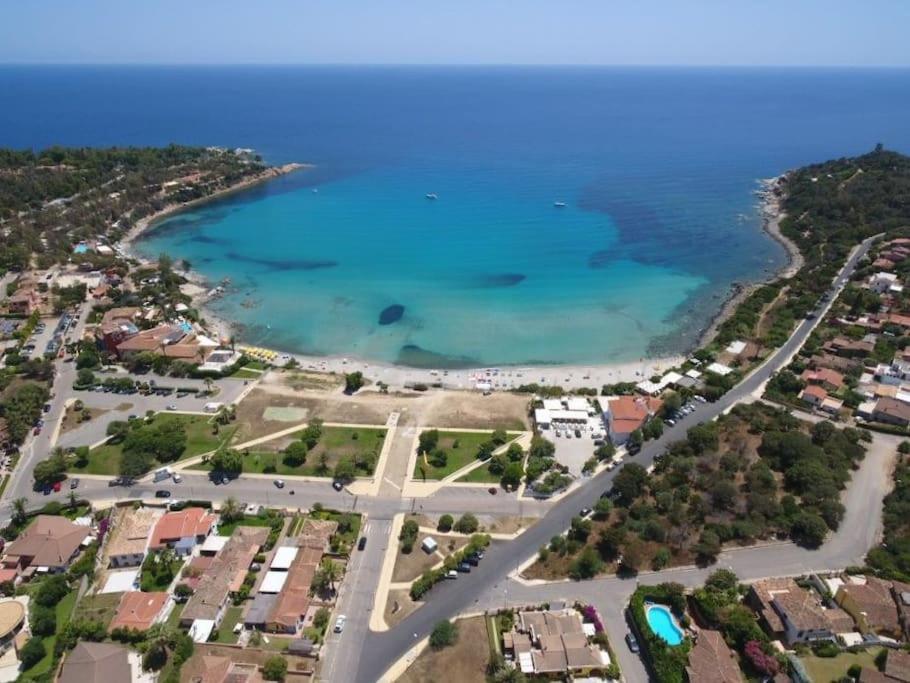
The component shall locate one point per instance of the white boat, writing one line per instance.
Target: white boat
(559, 205)
(432, 196)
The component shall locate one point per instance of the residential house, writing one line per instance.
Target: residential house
(891, 411)
(117, 325)
(140, 611)
(130, 536)
(24, 301)
(183, 530)
(99, 663)
(625, 414)
(795, 615)
(849, 348)
(814, 395)
(884, 282)
(176, 341)
(711, 660)
(49, 544)
(217, 669)
(828, 379)
(224, 577)
(897, 669)
(552, 642)
(871, 604)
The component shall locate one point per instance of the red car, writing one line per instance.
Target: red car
(57, 487)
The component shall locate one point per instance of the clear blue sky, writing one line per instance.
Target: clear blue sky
(653, 32)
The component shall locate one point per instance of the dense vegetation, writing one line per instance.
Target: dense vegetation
(753, 474)
(64, 195)
(892, 558)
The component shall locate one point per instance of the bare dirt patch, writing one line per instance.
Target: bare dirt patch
(410, 566)
(465, 661)
(472, 410)
(398, 606)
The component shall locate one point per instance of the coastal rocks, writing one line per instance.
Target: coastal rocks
(391, 314)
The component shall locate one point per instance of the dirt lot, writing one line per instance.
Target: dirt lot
(465, 661)
(409, 567)
(471, 410)
(195, 668)
(73, 418)
(405, 607)
(101, 607)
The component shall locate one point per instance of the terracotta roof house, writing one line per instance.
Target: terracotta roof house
(891, 411)
(871, 605)
(117, 325)
(182, 530)
(172, 341)
(712, 661)
(294, 599)
(842, 346)
(628, 413)
(140, 611)
(793, 614)
(814, 395)
(129, 539)
(897, 669)
(222, 670)
(224, 576)
(49, 543)
(552, 642)
(96, 663)
(825, 377)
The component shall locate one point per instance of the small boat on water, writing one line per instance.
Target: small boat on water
(559, 205)
(432, 196)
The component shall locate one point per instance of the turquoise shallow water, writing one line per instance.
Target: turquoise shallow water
(656, 166)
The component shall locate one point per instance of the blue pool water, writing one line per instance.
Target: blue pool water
(656, 168)
(664, 624)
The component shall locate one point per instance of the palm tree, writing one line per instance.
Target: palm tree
(19, 512)
(326, 575)
(208, 384)
(232, 340)
(230, 509)
(73, 499)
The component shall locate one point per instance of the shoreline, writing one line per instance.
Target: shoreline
(578, 375)
(771, 216)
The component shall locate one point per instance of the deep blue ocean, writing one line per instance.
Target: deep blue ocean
(657, 168)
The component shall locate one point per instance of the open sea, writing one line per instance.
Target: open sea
(656, 167)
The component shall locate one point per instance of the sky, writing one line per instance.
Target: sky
(589, 32)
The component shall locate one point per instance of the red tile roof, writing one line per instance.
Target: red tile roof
(138, 610)
(183, 524)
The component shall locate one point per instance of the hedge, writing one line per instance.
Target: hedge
(668, 663)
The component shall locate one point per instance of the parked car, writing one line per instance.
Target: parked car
(172, 407)
(472, 560)
(57, 486)
(584, 512)
(279, 483)
(162, 493)
(632, 642)
(74, 483)
(492, 490)
(451, 574)
(578, 433)
(464, 568)
(337, 485)
(362, 543)
(339, 623)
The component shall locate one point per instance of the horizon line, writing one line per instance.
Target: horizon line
(459, 65)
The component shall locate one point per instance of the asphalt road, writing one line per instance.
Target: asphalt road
(450, 598)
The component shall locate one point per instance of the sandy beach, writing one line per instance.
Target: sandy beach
(505, 377)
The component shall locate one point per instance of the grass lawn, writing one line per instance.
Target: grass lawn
(481, 475)
(246, 373)
(336, 443)
(173, 619)
(226, 635)
(227, 528)
(101, 607)
(833, 668)
(349, 537)
(64, 612)
(199, 439)
(468, 443)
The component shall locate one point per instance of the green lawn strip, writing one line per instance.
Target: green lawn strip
(835, 668)
(481, 475)
(100, 607)
(173, 619)
(227, 528)
(245, 373)
(349, 537)
(64, 611)
(465, 454)
(226, 635)
(336, 442)
(105, 459)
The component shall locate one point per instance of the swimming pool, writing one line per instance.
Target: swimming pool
(664, 624)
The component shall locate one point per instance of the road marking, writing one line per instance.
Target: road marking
(392, 483)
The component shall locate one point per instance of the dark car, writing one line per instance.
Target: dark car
(362, 543)
(337, 485)
(162, 493)
(472, 560)
(74, 483)
(464, 568)
(632, 642)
